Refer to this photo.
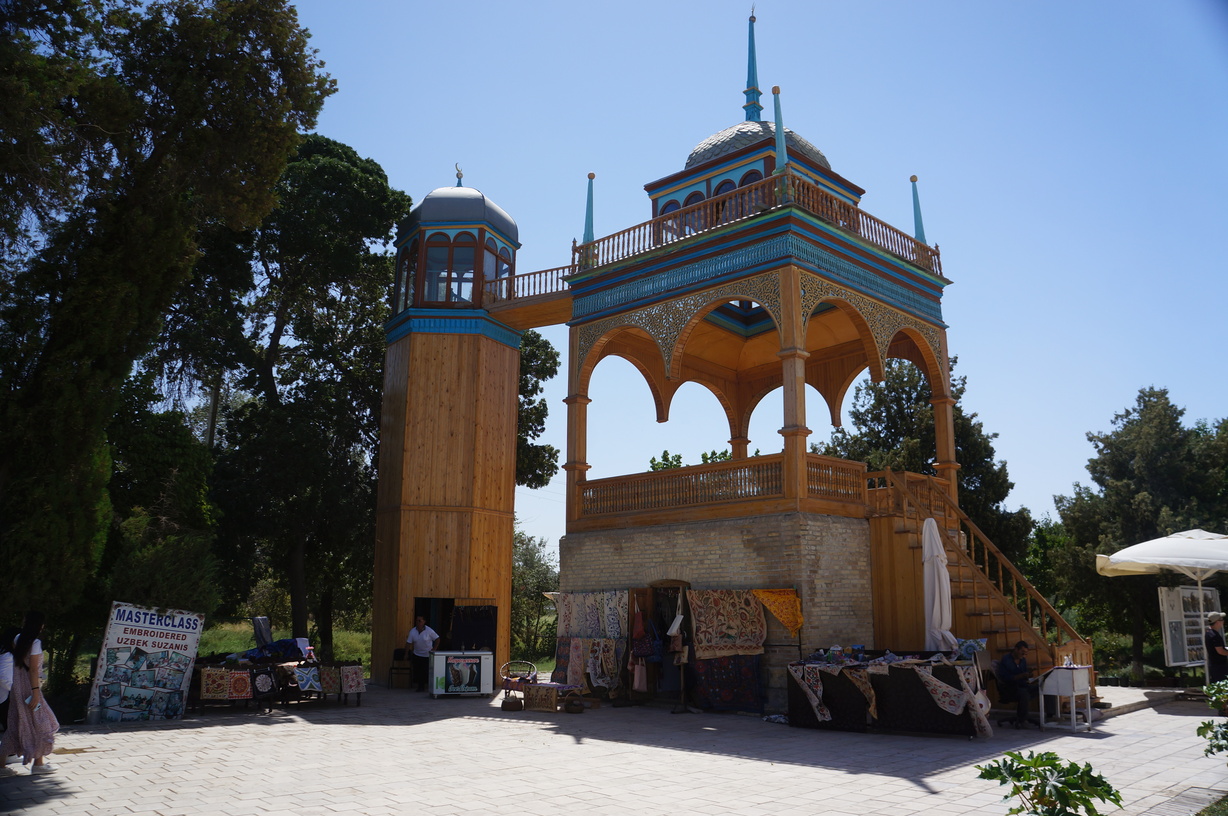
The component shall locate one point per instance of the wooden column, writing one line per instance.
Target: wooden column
(944, 440)
(793, 356)
(739, 445)
(577, 402)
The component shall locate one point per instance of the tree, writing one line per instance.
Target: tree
(539, 361)
(1153, 476)
(128, 127)
(292, 313)
(668, 461)
(534, 571)
(893, 425)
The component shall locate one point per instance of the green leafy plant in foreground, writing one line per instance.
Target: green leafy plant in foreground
(1215, 733)
(1048, 785)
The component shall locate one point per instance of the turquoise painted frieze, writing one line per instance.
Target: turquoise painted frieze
(451, 321)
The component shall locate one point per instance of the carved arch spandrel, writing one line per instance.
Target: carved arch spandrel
(666, 321)
(880, 321)
(751, 392)
(634, 345)
(834, 372)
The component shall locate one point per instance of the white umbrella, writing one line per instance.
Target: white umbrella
(1194, 553)
(938, 637)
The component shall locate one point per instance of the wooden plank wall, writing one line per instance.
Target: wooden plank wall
(447, 481)
(897, 585)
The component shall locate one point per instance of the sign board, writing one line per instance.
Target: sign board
(144, 667)
(1183, 624)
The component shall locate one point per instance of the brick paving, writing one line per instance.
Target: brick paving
(404, 753)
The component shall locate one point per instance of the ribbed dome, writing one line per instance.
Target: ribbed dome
(745, 134)
(462, 205)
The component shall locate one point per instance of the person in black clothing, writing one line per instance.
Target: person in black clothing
(1013, 675)
(1217, 654)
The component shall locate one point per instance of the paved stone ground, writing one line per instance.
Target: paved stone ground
(404, 753)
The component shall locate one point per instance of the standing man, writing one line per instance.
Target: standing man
(421, 643)
(1217, 655)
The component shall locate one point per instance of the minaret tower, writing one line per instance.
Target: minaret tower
(448, 434)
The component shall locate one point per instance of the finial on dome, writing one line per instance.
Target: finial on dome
(782, 153)
(588, 212)
(459, 175)
(918, 227)
(752, 106)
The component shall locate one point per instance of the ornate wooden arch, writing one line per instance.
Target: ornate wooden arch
(633, 344)
(909, 344)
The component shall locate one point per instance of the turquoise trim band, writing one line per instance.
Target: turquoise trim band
(450, 321)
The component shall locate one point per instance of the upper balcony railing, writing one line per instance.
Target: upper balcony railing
(787, 189)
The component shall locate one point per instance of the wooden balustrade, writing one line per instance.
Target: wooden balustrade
(789, 188)
(835, 479)
(758, 477)
(530, 284)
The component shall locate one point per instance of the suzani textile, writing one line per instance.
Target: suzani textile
(727, 622)
(214, 684)
(308, 678)
(352, 681)
(810, 678)
(240, 685)
(727, 683)
(593, 614)
(785, 606)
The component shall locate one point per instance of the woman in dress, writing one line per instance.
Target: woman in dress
(31, 725)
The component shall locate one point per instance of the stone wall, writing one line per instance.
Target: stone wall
(825, 558)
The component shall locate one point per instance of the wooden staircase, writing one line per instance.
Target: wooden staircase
(990, 598)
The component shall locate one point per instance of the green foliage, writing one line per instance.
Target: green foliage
(668, 461)
(893, 425)
(709, 457)
(534, 571)
(1153, 476)
(1047, 785)
(536, 464)
(1215, 733)
(127, 128)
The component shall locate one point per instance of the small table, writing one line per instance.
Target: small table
(546, 696)
(1072, 682)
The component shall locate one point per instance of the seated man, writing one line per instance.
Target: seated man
(1013, 674)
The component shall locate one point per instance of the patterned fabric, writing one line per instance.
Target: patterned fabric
(616, 606)
(967, 649)
(605, 661)
(352, 681)
(308, 678)
(264, 682)
(810, 678)
(577, 661)
(785, 606)
(970, 681)
(860, 678)
(240, 683)
(330, 680)
(564, 605)
(214, 684)
(593, 621)
(727, 622)
(728, 683)
(30, 734)
(562, 658)
(948, 698)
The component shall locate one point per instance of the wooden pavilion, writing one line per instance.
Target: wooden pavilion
(758, 270)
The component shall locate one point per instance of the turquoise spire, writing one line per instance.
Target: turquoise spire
(752, 105)
(918, 227)
(459, 175)
(588, 212)
(782, 153)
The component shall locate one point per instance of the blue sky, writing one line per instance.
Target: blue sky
(1071, 155)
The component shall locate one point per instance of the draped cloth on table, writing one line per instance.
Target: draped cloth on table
(955, 700)
(810, 678)
(726, 622)
(785, 606)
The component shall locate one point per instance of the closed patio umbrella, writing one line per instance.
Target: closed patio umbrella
(938, 637)
(1193, 553)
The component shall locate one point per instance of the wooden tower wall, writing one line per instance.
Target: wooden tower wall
(447, 482)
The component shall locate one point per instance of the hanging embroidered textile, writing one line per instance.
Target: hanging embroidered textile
(264, 681)
(726, 622)
(948, 698)
(728, 683)
(308, 678)
(352, 681)
(785, 606)
(562, 657)
(240, 685)
(214, 684)
(860, 678)
(330, 680)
